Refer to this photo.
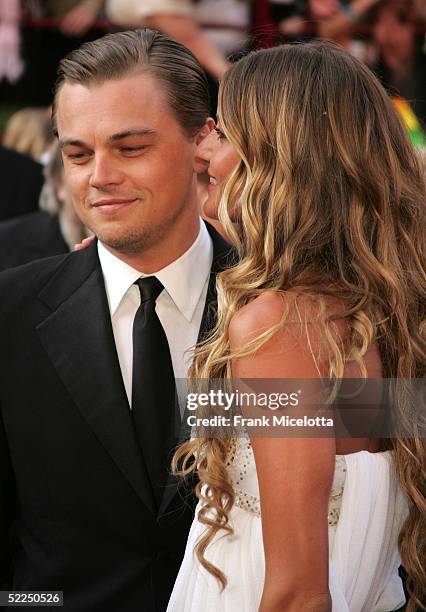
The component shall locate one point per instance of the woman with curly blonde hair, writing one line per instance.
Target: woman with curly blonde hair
(314, 167)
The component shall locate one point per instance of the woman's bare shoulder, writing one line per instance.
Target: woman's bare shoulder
(271, 307)
(257, 316)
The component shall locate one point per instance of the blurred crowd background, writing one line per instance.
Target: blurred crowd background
(388, 35)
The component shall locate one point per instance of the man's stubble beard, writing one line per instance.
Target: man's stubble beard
(130, 244)
(139, 240)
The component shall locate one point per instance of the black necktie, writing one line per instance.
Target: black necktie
(154, 407)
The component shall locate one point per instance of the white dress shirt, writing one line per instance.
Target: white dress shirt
(179, 306)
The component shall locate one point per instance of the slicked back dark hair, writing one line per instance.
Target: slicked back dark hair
(147, 51)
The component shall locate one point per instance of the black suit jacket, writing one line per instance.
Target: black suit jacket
(29, 237)
(76, 512)
(21, 181)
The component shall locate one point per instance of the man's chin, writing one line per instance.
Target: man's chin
(127, 245)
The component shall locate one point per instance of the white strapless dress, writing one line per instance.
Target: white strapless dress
(366, 511)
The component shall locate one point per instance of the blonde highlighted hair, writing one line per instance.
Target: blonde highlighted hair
(331, 200)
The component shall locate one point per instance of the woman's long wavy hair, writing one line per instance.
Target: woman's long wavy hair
(331, 198)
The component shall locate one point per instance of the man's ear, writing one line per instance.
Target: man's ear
(205, 130)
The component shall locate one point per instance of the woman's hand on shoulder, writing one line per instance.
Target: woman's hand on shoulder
(86, 242)
(295, 474)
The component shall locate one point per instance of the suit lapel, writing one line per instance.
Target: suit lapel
(79, 340)
(224, 255)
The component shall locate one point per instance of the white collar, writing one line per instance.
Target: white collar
(183, 279)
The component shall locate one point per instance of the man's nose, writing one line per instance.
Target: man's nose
(105, 172)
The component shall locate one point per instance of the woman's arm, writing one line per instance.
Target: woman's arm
(295, 474)
(185, 30)
(81, 18)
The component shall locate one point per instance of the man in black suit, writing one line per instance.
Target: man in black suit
(21, 180)
(54, 229)
(86, 407)
(29, 237)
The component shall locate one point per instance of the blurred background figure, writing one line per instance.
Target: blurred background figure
(49, 29)
(173, 17)
(226, 23)
(385, 34)
(11, 66)
(21, 180)
(53, 229)
(29, 131)
(291, 17)
(76, 17)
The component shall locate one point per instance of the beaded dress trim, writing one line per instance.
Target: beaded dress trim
(240, 457)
